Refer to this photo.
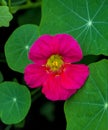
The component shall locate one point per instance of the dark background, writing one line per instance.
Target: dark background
(34, 120)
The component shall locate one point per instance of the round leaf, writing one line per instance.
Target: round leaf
(17, 46)
(86, 20)
(88, 108)
(15, 102)
(5, 16)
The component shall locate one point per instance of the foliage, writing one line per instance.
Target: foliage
(18, 45)
(89, 107)
(17, 99)
(87, 22)
(5, 16)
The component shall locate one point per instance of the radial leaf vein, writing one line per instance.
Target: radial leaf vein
(97, 31)
(100, 22)
(92, 119)
(85, 35)
(87, 103)
(60, 17)
(16, 104)
(61, 2)
(87, 10)
(100, 119)
(75, 29)
(93, 81)
(107, 91)
(82, 32)
(99, 9)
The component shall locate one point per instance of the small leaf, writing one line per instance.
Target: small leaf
(88, 108)
(15, 102)
(5, 16)
(17, 46)
(85, 20)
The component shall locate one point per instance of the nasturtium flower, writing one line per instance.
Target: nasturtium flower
(54, 67)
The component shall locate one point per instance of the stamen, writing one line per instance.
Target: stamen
(55, 62)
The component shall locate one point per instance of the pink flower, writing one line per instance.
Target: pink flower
(52, 69)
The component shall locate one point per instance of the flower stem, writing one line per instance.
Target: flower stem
(29, 4)
(35, 91)
(35, 94)
(9, 4)
(35, 97)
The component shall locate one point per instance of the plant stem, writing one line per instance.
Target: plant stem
(35, 94)
(29, 4)
(35, 91)
(35, 97)
(9, 4)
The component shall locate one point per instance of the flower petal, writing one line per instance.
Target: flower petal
(53, 89)
(68, 48)
(34, 75)
(40, 50)
(74, 76)
(62, 44)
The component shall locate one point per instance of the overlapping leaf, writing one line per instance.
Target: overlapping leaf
(5, 16)
(17, 46)
(86, 20)
(88, 109)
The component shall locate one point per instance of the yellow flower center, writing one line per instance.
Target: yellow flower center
(55, 62)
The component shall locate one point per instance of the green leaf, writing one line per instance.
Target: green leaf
(5, 16)
(17, 46)
(15, 102)
(85, 20)
(88, 108)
